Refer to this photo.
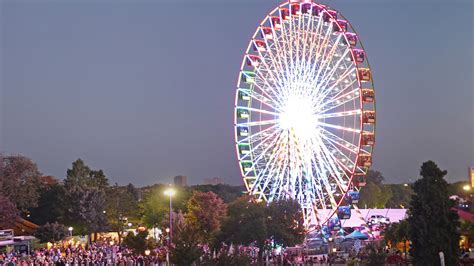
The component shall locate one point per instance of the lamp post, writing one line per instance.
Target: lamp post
(170, 192)
(70, 230)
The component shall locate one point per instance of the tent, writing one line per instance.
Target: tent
(356, 235)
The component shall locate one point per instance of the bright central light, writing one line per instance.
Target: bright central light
(298, 115)
(170, 192)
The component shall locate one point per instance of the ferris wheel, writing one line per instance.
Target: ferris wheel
(305, 111)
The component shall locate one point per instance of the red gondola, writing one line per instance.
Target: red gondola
(359, 55)
(339, 25)
(368, 95)
(368, 117)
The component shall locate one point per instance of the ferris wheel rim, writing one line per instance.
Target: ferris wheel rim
(359, 83)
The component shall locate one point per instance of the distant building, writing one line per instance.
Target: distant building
(180, 181)
(471, 176)
(213, 181)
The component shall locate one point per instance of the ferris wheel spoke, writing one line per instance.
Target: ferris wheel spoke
(327, 66)
(263, 100)
(322, 51)
(339, 100)
(332, 164)
(343, 77)
(268, 83)
(256, 135)
(261, 111)
(263, 153)
(340, 162)
(273, 80)
(341, 114)
(272, 145)
(304, 41)
(324, 85)
(339, 127)
(339, 141)
(279, 54)
(274, 156)
(276, 65)
(323, 169)
(258, 123)
(271, 97)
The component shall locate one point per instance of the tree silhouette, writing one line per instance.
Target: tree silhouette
(432, 223)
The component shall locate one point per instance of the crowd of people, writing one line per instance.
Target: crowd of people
(97, 253)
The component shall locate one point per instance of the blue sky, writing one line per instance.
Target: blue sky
(145, 89)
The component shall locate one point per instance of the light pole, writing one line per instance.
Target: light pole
(170, 192)
(70, 230)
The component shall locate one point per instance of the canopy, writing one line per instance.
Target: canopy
(357, 235)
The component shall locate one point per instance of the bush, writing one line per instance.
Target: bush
(51, 232)
(376, 256)
(138, 243)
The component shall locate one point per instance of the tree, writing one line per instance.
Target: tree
(89, 208)
(8, 213)
(245, 223)
(205, 213)
(398, 232)
(374, 194)
(186, 240)
(49, 208)
(226, 192)
(285, 222)
(51, 232)
(375, 177)
(155, 207)
(138, 243)
(19, 180)
(375, 255)
(433, 225)
(85, 198)
(400, 196)
(81, 175)
(122, 207)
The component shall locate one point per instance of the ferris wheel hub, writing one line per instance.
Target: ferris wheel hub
(298, 115)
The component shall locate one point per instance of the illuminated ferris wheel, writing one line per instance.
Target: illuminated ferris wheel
(305, 111)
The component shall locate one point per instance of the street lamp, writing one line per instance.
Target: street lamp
(170, 193)
(70, 230)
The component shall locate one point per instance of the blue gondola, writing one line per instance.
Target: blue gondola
(242, 131)
(352, 197)
(325, 232)
(334, 224)
(344, 212)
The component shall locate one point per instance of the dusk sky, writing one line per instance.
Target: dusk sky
(145, 89)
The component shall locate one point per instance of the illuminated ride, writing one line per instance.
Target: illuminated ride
(305, 111)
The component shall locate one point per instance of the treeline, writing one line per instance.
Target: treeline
(377, 194)
(86, 201)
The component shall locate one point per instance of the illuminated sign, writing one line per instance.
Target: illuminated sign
(6, 234)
